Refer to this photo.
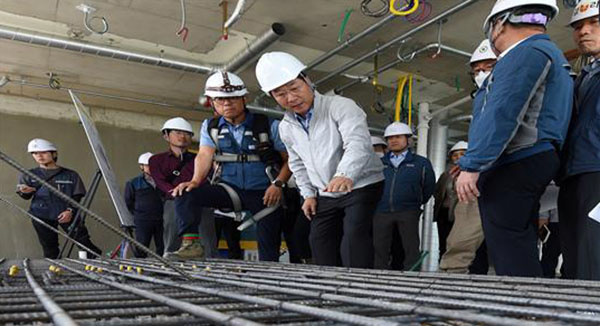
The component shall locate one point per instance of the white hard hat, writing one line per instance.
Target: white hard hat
(585, 9)
(40, 145)
(459, 146)
(224, 84)
(177, 123)
(504, 5)
(275, 69)
(397, 128)
(483, 52)
(144, 158)
(378, 141)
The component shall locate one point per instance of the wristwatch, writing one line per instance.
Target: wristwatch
(278, 183)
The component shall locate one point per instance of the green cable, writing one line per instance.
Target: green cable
(457, 83)
(419, 262)
(343, 26)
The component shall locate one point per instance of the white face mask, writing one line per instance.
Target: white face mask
(380, 154)
(481, 77)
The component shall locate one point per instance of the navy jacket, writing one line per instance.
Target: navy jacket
(582, 150)
(408, 186)
(45, 204)
(523, 108)
(144, 201)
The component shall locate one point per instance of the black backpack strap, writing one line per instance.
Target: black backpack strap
(213, 132)
(261, 128)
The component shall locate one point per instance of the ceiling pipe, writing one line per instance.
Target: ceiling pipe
(393, 63)
(457, 118)
(452, 105)
(397, 39)
(369, 30)
(275, 31)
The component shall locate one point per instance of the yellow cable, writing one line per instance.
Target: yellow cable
(410, 81)
(399, 98)
(403, 12)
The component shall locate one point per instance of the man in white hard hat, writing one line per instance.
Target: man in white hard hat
(338, 173)
(46, 205)
(459, 225)
(146, 203)
(379, 145)
(409, 183)
(520, 119)
(169, 169)
(580, 177)
(252, 165)
(482, 62)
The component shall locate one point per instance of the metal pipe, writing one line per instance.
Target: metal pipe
(237, 13)
(452, 105)
(260, 43)
(325, 56)
(457, 118)
(20, 35)
(393, 63)
(397, 39)
(57, 314)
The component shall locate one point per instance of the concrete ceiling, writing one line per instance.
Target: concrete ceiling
(312, 28)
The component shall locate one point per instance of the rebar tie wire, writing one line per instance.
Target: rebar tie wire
(95, 216)
(183, 31)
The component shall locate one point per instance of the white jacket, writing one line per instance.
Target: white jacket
(338, 143)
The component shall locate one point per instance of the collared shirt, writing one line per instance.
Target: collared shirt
(305, 120)
(238, 132)
(396, 160)
(162, 166)
(505, 52)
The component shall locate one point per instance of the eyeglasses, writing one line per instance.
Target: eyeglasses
(221, 100)
(284, 91)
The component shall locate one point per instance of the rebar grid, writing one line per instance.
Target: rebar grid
(93, 292)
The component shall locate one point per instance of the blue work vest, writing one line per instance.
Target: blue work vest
(243, 175)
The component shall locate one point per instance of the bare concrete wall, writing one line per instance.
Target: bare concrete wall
(123, 146)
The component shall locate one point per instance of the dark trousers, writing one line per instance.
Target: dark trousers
(145, 231)
(296, 228)
(228, 227)
(480, 264)
(509, 201)
(49, 239)
(407, 225)
(444, 225)
(398, 256)
(341, 232)
(551, 251)
(579, 234)
(188, 209)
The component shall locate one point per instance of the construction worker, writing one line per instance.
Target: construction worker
(520, 119)
(459, 245)
(462, 249)
(169, 169)
(46, 205)
(379, 145)
(338, 173)
(580, 177)
(146, 202)
(409, 183)
(253, 166)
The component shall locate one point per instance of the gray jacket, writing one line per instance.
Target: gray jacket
(337, 144)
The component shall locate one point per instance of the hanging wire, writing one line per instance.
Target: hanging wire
(183, 30)
(87, 10)
(439, 40)
(379, 12)
(344, 23)
(407, 9)
(223, 4)
(422, 13)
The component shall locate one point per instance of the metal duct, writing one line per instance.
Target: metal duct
(99, 50)
(457, 118)
(452, 105)
(257, 46)
(237, 13)
(379, 49)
